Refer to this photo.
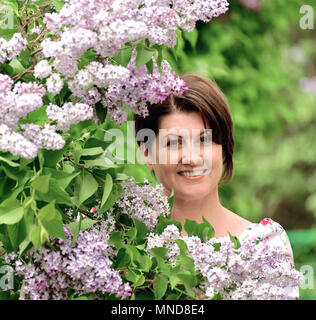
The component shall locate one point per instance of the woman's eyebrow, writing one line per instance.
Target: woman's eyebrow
(181, 135)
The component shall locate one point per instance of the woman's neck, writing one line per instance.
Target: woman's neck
(208, 207)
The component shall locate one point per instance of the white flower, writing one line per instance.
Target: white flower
(54, 83)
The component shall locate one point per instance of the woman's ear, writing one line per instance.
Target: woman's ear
(145, 153)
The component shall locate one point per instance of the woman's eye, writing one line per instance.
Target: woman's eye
(206, 138)
(173, 143)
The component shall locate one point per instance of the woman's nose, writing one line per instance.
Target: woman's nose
(191, 154)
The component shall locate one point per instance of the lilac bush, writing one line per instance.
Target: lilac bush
(83, 268)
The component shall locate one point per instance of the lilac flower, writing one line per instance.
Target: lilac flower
(9, 50)
(69, 114)
(54, 83)
(84, 268)
(43, 138)
(254, 271)
(140, 202)
(104, 27)
(141, 88)
(15, 143)
(42, 70)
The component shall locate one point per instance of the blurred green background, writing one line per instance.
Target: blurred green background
(265, 63)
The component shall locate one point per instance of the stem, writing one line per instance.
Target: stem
(21, 74)
(36, 51)
(87, 214)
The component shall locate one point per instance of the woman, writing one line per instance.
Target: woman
(192, 153)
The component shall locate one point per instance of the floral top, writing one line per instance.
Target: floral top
(272, 234)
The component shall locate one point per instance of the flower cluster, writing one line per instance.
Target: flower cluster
(144, 202)
(167, 240)
(83, 268)
(69, 114)
(141, 88)
(104, 27)
(9, 50)
(254, 271)
(16, 102)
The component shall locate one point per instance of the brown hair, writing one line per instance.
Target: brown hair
(204, 96)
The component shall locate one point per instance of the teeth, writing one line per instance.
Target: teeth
(192, 174)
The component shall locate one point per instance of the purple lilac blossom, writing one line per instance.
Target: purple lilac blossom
(9, 50)
(104, 27)
(253, 271)
(139, 201)
(84, 268)
(69, 114)
(43, 137)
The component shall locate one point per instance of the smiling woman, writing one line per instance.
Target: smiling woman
(192, 153)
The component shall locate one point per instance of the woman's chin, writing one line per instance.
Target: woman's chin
(191, 193)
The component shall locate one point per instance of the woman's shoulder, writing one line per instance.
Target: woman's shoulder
(268, 231)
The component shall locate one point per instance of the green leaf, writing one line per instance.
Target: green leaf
(171, 199)
(85, 224)
(159, 252)
(17, 233)
(108, 184)
(11, 212)
(116, 239)
(131, 276)
(189, 281)
(17, 67)
(141, 229)
(58, 4)
(139, 281)
(41, 183)
(51, 220)
(150, 66)
(123, 259)
(51, 157)
(111, 199)
(160, 285)
(124, 56)
(13, 173)
(202, 230)
(63, 178)
(87, 186)
(144, 263)
(55, 192)
(185, 263)
(182, 246)
(144, 54)
(38, 237)
(235, 241)
(77, 154)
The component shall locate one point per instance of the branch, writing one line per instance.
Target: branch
(21, 74)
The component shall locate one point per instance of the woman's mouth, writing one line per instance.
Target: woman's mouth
(193, 175)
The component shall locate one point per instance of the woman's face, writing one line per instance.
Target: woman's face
(184, 157)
